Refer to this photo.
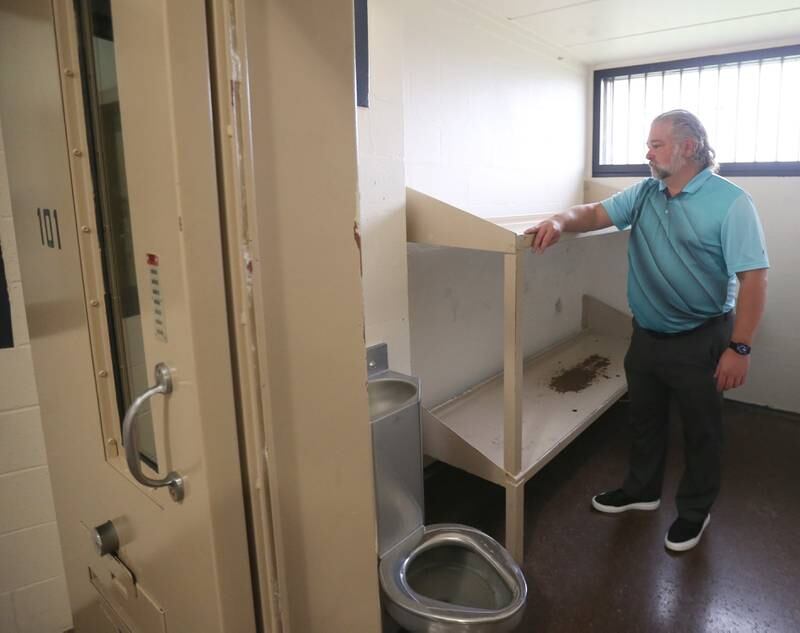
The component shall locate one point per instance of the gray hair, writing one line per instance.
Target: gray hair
(686, 125)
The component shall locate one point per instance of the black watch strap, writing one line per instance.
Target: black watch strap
(740, 348)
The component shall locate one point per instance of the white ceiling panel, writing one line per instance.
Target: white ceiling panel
(612, 19)
(513, 9)
(759, 32)
(597, 31)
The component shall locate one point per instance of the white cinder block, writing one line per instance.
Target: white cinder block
(387, 131)
(21, 440)
(29, 556)
(26, 499)
(382, 188)
(19, 323)
(364, 125)
(7, 622)
(17, 385)
(386, 22)
(43, 607)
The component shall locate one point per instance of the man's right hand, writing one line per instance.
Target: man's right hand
(545, 234)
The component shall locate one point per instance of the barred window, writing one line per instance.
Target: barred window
(748, 102)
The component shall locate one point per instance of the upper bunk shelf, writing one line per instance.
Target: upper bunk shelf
(431, 221)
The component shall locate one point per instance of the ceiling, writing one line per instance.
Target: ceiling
(601, 32)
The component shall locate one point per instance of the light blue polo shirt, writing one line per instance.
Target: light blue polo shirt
(684, 252)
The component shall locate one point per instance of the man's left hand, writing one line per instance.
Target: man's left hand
(731, 370)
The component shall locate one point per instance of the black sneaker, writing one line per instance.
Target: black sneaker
(616, 501)
(684, 535)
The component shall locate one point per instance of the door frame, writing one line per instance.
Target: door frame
(233, 135)
(286, 129)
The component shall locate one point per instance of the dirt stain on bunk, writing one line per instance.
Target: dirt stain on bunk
(580, 376)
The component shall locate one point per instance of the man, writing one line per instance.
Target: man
(693, 235)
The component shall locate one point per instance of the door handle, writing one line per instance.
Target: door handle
(130, 438)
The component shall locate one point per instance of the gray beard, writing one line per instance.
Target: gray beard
(658, 173)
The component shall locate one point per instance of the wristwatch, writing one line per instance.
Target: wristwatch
(740, 348)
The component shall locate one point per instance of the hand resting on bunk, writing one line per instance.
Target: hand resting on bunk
(578, 219)
(545, 234)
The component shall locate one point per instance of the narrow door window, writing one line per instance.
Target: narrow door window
(113, 215)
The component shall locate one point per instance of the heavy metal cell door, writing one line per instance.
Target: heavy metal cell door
(108, 131)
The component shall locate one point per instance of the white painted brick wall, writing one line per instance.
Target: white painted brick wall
(33, 593)
(381, 175)
(495, 124)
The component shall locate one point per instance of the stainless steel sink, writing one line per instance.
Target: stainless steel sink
(387, 395)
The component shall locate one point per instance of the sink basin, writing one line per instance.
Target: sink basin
(389, 394)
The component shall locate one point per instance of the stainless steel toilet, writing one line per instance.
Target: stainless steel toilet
(453, 578)
(444, 578)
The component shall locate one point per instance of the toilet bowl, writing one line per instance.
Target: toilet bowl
(452, 578)
(444, 578)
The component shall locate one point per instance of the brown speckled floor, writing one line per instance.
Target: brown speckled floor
(588, 572)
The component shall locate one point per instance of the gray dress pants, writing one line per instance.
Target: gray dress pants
(659, 367)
